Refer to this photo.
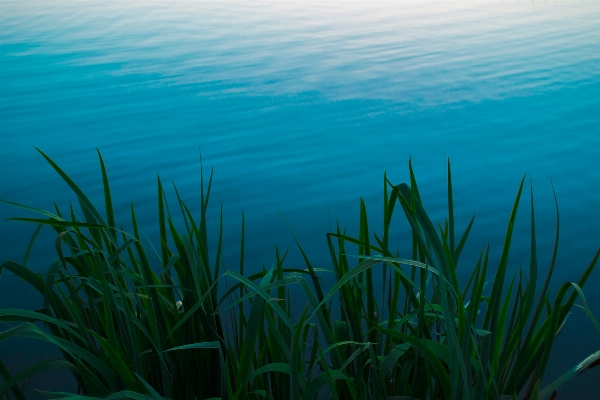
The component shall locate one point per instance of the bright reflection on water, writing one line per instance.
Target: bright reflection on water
(421, 52)
(301, 106)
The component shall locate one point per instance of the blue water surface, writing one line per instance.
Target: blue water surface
(300, 108)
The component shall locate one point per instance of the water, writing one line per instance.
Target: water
(300, 108)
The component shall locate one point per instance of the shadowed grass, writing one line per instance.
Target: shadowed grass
(173, 323)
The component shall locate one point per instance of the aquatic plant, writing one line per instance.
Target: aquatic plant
(136, 323)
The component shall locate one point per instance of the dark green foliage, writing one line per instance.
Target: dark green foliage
(172, 323)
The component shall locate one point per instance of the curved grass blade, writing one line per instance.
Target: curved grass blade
(567, 376)
(110, 214)
(254, 324)
(6, 375)
(34, 370)
(83, 199)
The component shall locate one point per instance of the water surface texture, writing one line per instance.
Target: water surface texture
(300, 108)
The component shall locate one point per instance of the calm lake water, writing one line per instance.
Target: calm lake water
(300, 108)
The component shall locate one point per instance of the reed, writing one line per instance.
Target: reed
(173, 323)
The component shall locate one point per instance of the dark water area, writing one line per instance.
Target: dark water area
(300, 108)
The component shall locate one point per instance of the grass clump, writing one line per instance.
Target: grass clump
(131, 323)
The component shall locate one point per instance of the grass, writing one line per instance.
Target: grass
(136, 323)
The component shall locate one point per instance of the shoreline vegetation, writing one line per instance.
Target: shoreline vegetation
(138, 323)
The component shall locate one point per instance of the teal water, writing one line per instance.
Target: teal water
(300, 108)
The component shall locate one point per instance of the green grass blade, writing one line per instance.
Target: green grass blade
(7, 376)
(162, 226)
(117, 362)
(29, 330)
(540, 305)
(313, 276)
(329, 378)
(11, 314)
(463, 241)
(34, 370)
(33, 209)
(451, 213)
(86, 204)
(570, 374)
(494, 307)
(110, 214)
(255, 322)
(30, 243)
(59, 223)
(321, 380)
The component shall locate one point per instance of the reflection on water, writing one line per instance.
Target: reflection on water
(301, 106)
(422, 52)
